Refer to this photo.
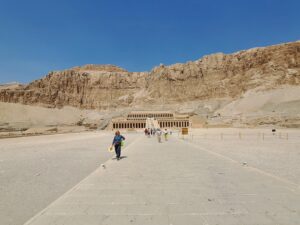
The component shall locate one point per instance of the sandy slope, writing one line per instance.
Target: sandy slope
(285, 100)
(18, 119)
(277, 107)
(39, 116)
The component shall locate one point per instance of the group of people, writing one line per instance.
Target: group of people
(158, 132)
(118, 139)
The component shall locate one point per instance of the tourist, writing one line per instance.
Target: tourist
(117, 143)
(154, 131)
(146, 132)
(166, 134)
(149, 132)
(158, 134)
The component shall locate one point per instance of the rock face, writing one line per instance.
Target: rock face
(84, 87)
(220, 75)
(212, 77)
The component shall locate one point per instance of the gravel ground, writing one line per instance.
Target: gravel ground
(34, 171)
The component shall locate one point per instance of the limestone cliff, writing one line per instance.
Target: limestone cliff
(85, 87)
(214, 76)
(221, 75)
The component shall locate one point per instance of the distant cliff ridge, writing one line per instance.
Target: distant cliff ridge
(211, 77)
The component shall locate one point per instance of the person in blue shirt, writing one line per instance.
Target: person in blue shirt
(117, 143)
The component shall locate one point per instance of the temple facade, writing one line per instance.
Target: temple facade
(137, 120)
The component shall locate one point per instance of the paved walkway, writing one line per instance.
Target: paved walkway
(174, 183)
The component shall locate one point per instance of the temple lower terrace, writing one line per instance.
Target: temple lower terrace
(137, 120)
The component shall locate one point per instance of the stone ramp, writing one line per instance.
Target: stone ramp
(174, 183)
(152, 123)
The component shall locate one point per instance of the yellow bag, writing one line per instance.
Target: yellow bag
(110, 149)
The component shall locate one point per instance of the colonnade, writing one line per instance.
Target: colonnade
(178, 123)
(127, 125)
(140, 125)
(149, 115)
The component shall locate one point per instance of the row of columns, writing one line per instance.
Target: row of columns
(121, 125)
(128, 125)
(174, 124)
(159, 115)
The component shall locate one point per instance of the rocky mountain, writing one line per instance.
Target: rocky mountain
(216, 76)
(220, 75)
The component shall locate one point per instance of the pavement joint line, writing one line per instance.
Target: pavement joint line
(155, 214)
(251, 168)
(32, 219)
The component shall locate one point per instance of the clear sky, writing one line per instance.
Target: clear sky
(39, 36)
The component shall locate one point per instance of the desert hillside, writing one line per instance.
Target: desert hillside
(238, 88)
(213, 76)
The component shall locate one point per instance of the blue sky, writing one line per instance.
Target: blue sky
(39, 36)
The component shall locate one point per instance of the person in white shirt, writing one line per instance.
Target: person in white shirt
(158, 134)
(166, 134)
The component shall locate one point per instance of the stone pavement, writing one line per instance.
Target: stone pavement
(174, 183)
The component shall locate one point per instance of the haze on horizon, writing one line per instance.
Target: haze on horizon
(41, 36)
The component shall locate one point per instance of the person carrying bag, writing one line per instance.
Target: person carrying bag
(118, 142)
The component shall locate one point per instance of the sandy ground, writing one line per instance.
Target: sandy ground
(181, 182)
(277, 154)
(34, 171)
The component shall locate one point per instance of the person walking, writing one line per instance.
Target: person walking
(158, 134)
(166, 134)
(117, 143)
(146, 132)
